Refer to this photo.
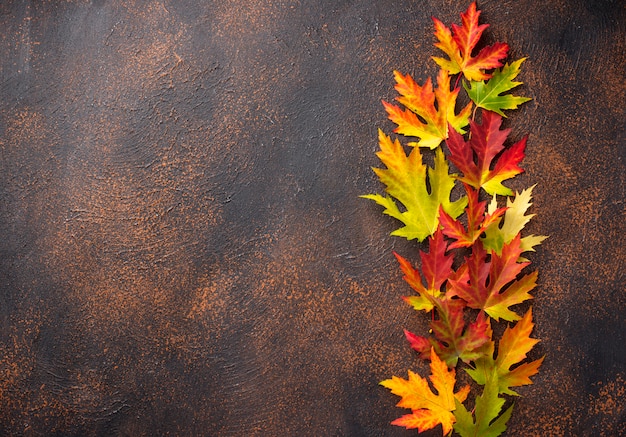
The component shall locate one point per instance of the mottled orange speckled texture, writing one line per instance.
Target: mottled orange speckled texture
(183, 249)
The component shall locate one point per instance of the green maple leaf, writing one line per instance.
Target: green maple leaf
(406, 181)
(488, 95)
(487, 408)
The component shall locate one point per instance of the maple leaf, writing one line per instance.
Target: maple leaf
(482, 287)
(428, 409)
(512, 349)
(437, 267)
(477, 221)
(420, 101)
(487, 140)
(487, 408)
(488, 95)
(451, 340)
(459, 43)
(514, 221)
(406, 180)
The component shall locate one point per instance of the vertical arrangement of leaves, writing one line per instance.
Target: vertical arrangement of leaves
(480, 231)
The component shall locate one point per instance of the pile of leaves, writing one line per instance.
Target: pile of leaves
(473, 274)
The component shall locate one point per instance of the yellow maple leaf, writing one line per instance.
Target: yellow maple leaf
(428, 409)
(515, 218)
(407, 179)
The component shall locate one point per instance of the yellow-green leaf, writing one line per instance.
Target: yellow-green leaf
(488, 95)
(407, 179)
(503, 231)
(484, 422)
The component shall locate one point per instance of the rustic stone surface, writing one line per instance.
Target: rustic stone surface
(183, 248)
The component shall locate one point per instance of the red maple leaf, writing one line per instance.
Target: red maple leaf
(436, 268)
(484, 286)
(451, 339)
(477, 221)
(486, 141)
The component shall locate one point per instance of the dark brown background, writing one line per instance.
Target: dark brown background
(183, 251)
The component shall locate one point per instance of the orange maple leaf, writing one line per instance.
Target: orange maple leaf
(459, 42)
(428, 409)
(422, 119)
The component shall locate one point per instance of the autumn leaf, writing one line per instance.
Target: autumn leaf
(484, 420)
(512, 349)
(422, 119)
(406, 179)
(462, 297)
(477, 221)
(436, 266)
(488, 95)
(428, 409)
(451, 340)
(483, 287)
(498, 234)
(487, 141)
(459, 43)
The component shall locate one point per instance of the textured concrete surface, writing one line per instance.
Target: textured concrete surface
(183, 251)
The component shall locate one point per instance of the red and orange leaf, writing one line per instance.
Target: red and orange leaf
(419, 419)
(428, 409)
(421, 119)
(424, 300)
(475, 270)
(517, 292)
(459, 43)
(506, 168)
(477, 221)
(451, 340)
(487, 141)
(474, 338)
(454, 229)
(421, 345)
(483, 287)
(512, 349)
(436, 266)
